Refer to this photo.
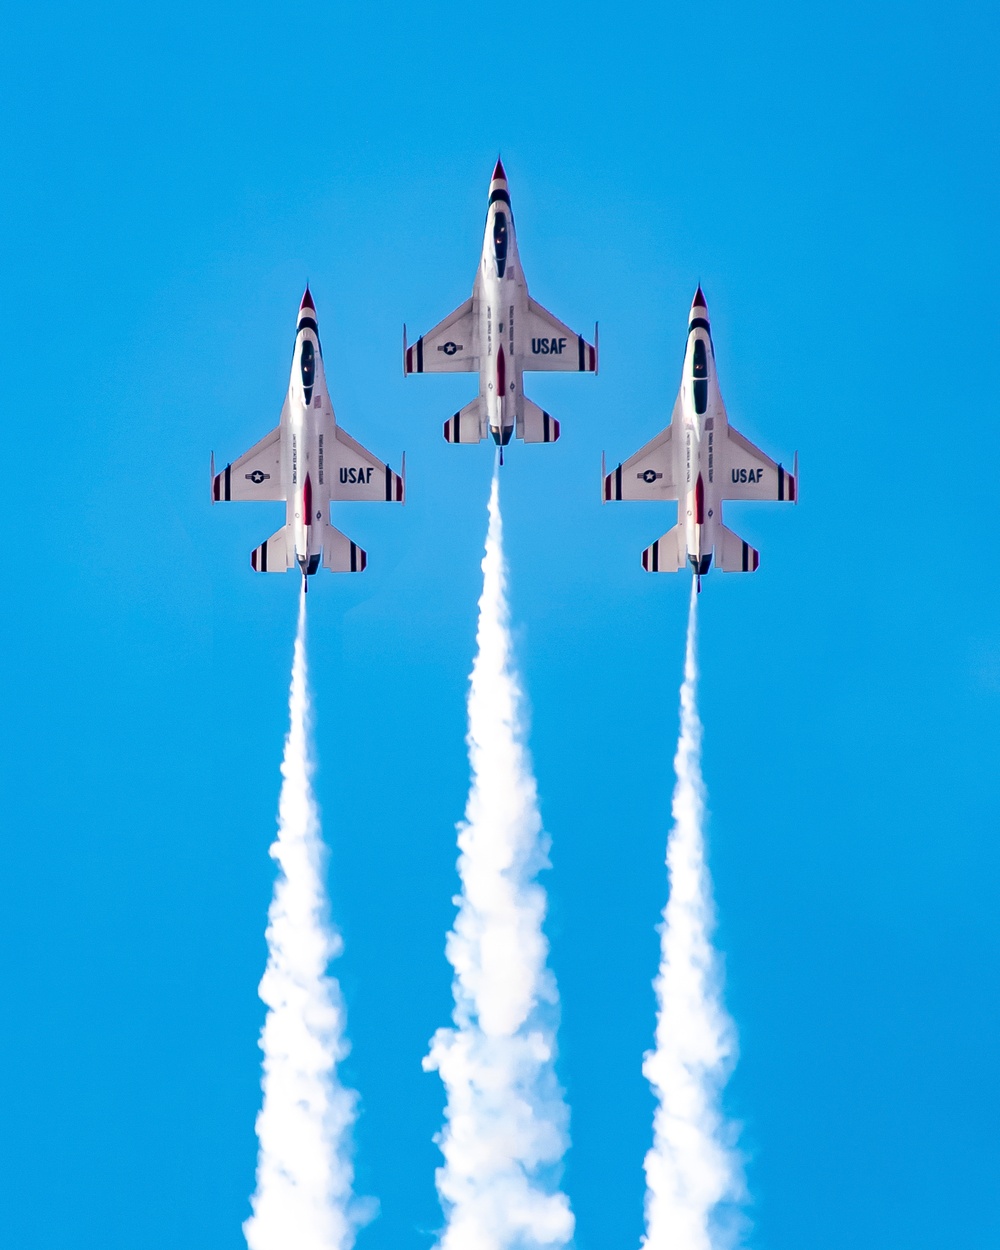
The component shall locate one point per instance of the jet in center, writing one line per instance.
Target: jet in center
(500, 332)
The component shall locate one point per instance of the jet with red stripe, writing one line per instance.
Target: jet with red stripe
(699, 460)
(307, 461)
(500, 332)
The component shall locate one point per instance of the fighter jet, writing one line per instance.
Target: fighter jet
(700, 460)
(308, 460)
(500, 332)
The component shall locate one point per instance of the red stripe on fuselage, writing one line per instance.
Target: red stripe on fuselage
(307, 500)
(699, 501)
(501, 374)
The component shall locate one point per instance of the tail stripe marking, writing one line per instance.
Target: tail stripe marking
(618, 482)
(582, 345)
(228, 471)
(263, 557)
(781, 484)
(388, 484)
(420, 354)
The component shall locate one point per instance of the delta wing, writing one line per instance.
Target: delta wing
(549, 344)
(449, 348)
(750, 474)
(355, 474)
(255, 475)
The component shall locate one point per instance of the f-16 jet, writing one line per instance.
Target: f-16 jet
(499, 333)
(306, 461)
(700, 461)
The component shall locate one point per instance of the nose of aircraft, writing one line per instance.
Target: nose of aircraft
(699, 300)
(307, 300)
(499, 175)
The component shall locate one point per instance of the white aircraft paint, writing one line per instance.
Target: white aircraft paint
(700, 460)
(500, 332)
(308, 460)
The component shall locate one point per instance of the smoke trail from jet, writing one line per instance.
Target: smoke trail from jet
(505, 1117)
(694, 1174)
(304, 1171)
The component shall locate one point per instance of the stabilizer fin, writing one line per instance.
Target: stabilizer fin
(274, 556)
(667, 554)
(535, 426)
(468, 425)
(733, 554)
(341, 554)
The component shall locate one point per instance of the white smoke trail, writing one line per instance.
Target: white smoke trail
(304, 1172)
(694, 1175)
(506, 1120)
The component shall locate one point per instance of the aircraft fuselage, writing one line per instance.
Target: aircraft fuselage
(307, 417)
(499, 303)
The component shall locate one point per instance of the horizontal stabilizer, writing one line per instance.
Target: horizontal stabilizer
(340, 555)
(534, 425)
(468, 425)
(667, 554)
(274, 556)
(733, 555)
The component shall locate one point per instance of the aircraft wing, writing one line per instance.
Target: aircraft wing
(649, 474)
(748, 474)
(355, 474)
(255, 475)
(449, 348)
(549, 344)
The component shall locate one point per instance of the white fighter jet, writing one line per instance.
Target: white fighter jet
(499, 333)
(700, 460)
(306, 461)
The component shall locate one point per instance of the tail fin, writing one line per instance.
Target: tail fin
(468, 425)
(733, 555)
(667, 554)
(340, 554)
(534, 425)
(275, 555)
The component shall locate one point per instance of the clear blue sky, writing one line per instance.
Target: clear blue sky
(171, 176)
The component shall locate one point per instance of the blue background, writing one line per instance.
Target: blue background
(172, 174)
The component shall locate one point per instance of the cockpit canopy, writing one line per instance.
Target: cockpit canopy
(500, 242)
(307, 362)
(699, 374)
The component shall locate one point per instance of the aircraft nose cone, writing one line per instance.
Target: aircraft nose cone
(699, 299)
(307, 301)
(498, 171)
